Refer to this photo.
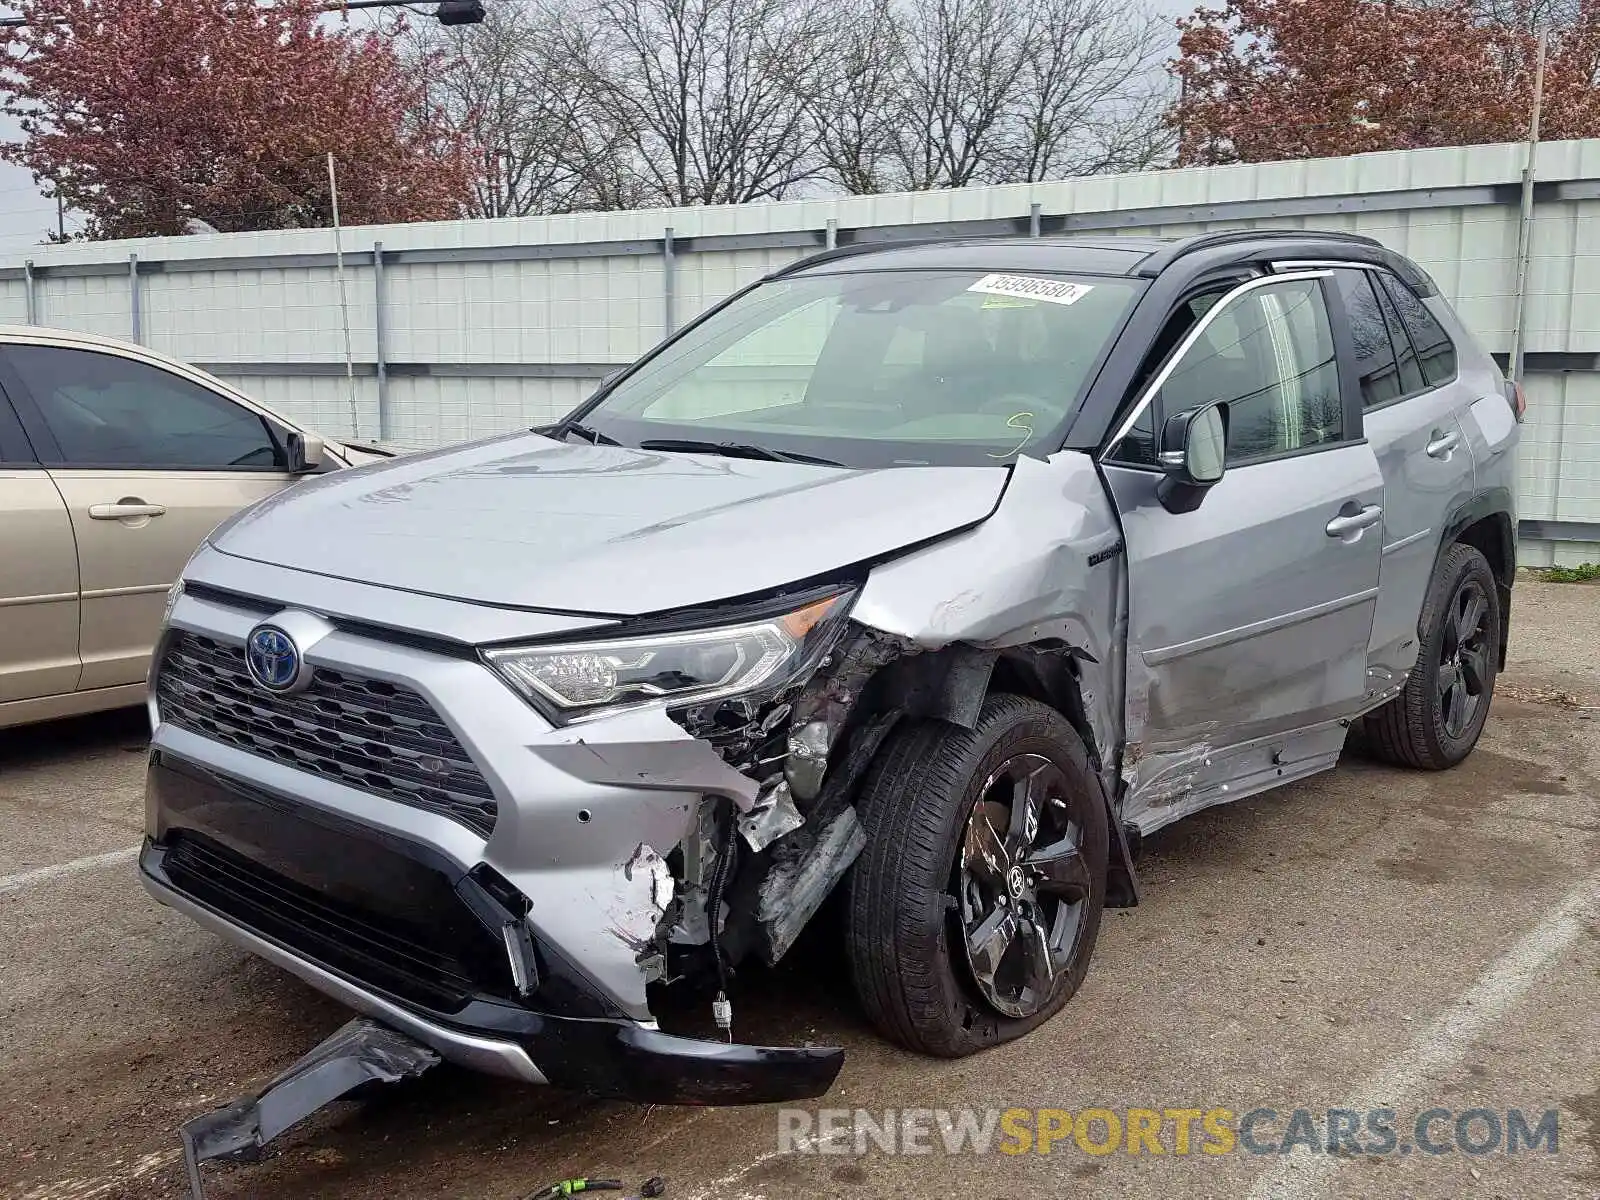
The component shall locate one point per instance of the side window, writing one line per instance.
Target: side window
(1436, 353)
(1269, 354)
(108, 411)
(1138, 445)
(14, 448)
(1411, 379)
(1377, 368)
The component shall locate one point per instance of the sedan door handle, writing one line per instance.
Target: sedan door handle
(1350, 525)
(122, 510)
(1441, 444)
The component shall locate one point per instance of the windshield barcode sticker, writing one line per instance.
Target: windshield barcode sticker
(1030, 287)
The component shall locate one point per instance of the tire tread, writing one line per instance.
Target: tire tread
(1401, 731)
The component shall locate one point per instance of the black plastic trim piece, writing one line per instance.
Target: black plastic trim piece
(362, 1052)
(1491, 502)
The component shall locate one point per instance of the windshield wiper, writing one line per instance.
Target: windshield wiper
(735, 450)
(588, 433)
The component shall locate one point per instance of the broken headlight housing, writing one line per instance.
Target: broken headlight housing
(570, 681)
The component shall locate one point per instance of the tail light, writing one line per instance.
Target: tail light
(1517, 399)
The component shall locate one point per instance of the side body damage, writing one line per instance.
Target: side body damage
(1045, 623)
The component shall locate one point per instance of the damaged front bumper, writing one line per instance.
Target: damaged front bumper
(340, 909)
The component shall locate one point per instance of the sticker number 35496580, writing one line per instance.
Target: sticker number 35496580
(1031, 287)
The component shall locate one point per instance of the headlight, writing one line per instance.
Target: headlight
(578, 679)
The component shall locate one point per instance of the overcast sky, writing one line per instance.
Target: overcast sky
(25, 216)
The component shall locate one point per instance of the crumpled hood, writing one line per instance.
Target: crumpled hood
(533, 523)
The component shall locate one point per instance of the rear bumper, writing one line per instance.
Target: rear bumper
(388, 928)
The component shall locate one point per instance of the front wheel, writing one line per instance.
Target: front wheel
(1435, 721)
(974, 908)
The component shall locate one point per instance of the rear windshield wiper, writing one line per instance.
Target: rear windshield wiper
(735, 450)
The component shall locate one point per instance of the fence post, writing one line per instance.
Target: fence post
(133, 298)
(29, 299)
(669, 282)
(380, 335)
(1033, 219)
(1525, 223)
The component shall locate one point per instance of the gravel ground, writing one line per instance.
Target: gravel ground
(1368, 938)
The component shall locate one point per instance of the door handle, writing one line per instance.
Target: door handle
(1350, 525)
(124, 509)
(1441, 444)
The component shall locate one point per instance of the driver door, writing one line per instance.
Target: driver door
(148, 462)
(1248, 616)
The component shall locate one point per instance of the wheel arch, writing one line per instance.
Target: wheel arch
(952, 683)
(1485, 523)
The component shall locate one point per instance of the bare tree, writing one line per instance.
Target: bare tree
(962, 59)
(1090, 94)
(857, 107)
(545, 141)
(710, 92)
(597, 104)
(946, 93)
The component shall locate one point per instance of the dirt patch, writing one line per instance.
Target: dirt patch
(1449, 796)
(1463, 856)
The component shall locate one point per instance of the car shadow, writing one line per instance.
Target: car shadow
(126, 729)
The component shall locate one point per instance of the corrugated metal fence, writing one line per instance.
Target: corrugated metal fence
(466, 328)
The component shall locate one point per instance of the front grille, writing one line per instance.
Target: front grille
(368, 733)
(392, 955)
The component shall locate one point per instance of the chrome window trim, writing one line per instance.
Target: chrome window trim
(1188, 342)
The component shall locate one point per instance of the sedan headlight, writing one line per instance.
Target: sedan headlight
(578, 679)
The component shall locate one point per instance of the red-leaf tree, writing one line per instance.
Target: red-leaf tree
(1284, 79)
(144, 114)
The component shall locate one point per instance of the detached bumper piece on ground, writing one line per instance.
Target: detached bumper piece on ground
(362, 1052)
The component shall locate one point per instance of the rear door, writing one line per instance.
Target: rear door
(1248, 617)
(1412, 406)
(38, 575)
(148, 462)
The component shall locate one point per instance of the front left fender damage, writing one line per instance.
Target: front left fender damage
(775, 828)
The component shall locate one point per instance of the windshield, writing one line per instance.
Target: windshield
(879, 369)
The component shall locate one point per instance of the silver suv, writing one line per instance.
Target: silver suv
(930, 575)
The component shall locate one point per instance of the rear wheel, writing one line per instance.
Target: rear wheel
(1436, 721)
(974, 908)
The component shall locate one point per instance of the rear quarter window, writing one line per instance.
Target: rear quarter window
(1436, 353)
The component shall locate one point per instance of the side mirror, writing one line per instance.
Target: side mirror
(307, 452)
(1194, 446)
(606, 381)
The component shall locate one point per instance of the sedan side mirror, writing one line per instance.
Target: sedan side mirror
(307, 452)
(1194, 446)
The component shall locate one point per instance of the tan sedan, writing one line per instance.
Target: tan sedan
(115, 462)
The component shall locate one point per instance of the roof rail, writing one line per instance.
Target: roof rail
(1160, 260)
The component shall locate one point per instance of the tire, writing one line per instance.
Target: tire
(1417, 728)
(908, 893)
